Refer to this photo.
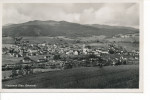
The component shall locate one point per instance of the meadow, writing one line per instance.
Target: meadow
(10, 59)
(108, 77)
(41, 39)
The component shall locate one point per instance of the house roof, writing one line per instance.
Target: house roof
(27, 58)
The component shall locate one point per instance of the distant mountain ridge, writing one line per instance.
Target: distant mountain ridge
(111, 27)
(63, 28)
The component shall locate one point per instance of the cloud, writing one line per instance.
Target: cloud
(112, 14)
(126, 14)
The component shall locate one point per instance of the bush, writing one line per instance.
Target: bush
(68, 66)
(57, 57)
(111, 51)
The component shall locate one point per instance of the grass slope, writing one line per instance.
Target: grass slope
(124, 76)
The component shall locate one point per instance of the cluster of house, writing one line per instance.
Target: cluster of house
(48, 55)
(27, 49)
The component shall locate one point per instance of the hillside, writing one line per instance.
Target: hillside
(124, 76)
(62, 28)
(111, 27)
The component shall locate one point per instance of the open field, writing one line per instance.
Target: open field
(129, 46)
(129, 39)
(7, 73)
(41, 39)
(63, 39)
(123, 76)
(13, 60)
(92, 38)
(10, 59)
(7, 45)
(8, 40)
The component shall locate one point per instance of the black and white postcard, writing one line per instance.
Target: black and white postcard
(71, 47)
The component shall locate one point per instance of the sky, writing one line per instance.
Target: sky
(119, 14)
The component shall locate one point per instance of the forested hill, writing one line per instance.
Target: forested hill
(63, 28)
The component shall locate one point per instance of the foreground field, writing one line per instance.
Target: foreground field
(124, 76)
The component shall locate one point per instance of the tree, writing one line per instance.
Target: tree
(111, 51)
(56, 57)
(88, 46)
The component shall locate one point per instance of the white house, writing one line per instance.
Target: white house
(76, 53)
